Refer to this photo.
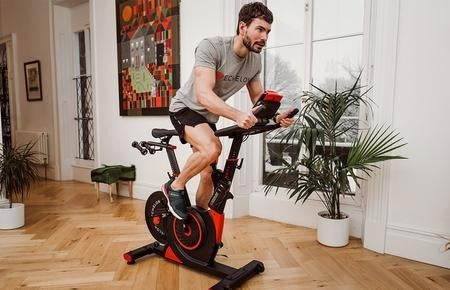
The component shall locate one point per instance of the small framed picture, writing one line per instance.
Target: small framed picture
(33, 80)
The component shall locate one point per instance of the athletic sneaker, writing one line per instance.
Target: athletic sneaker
(175, 201)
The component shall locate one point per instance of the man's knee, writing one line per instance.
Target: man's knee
(205, 175)
(215, 149)
(211, 150)
(202, 138)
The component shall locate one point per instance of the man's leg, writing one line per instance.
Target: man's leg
(208, 149)
(205, 186)
(194, 129)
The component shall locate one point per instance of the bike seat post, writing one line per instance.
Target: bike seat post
(170, 149)
(173, 160)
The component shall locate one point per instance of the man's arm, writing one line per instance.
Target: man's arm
(255, 90)
(205, 79)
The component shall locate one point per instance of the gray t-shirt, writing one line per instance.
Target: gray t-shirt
(232, 73)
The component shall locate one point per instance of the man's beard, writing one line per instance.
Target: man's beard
(248, 44)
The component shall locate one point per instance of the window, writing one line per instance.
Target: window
(312, 41)
(5, 115)
(84, 93)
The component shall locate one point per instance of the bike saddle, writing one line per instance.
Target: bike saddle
(159, 133)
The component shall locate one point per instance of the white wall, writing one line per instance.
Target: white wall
(64, 88)
(419, 198)
(116, 133)
(408, 202)
(30, 21)
(79, 16)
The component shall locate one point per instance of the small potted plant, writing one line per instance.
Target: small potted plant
(324, 166)
(18, 170)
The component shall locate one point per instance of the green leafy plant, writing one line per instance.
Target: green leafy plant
(324, 167)
(18, 170)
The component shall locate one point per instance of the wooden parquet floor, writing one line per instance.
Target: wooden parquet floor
(72, 241)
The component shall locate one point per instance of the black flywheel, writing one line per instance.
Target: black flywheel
(156, 212)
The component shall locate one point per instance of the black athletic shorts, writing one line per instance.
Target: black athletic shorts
(187, 117)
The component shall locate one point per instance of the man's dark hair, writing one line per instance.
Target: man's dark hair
(254, 10)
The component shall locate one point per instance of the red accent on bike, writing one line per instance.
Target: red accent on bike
(218, 219)
(172, 147)
(189, 233)
(127, 257)
(169, 254)
(156, 220)
(175, 174)
(272, 96)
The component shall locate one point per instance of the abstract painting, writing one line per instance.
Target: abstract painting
(148, 46)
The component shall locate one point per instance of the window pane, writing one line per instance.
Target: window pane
(336, 60)
(333, 18)
(82, 52)
(288, 22)
(284, 72)
(284, 68)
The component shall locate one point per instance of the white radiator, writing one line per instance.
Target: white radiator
(41, 146)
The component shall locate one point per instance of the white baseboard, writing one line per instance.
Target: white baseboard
(140, 191)
(51, 172)
(237, 207)
(280, 208)
(374, 235)
(417, 245)
(82, 173)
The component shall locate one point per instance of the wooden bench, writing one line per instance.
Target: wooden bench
(110, 174)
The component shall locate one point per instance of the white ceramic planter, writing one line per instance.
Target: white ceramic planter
(331, 232)
(12, 218)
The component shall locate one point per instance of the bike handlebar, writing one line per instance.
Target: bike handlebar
(136, 145)
(261, 126)
(293, 113)
(258, 110)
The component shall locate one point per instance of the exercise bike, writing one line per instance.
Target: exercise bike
(194, 242)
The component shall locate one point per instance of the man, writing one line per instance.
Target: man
(223, 65)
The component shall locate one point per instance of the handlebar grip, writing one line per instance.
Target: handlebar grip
(136, 145)
(258, 110)
(262, 121)
(145, 145)
(293, 113)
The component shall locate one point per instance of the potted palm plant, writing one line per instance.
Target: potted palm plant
(324, 166)
(18, 170)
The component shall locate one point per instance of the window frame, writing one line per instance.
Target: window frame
(78, 156)
(366, 77)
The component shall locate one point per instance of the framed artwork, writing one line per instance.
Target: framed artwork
(33, 80)
(148, 52)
